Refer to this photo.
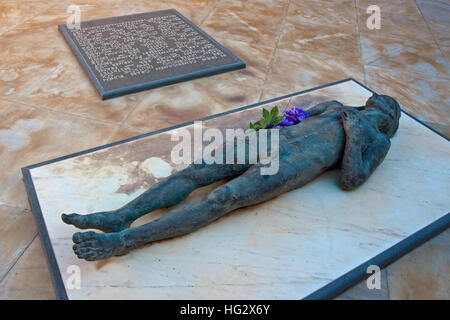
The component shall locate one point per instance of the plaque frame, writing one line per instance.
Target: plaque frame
(107, 94)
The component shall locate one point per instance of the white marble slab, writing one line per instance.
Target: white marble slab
(285, 248)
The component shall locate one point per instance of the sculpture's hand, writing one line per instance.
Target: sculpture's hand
(93, 246)
(351, 122)
(365, 149)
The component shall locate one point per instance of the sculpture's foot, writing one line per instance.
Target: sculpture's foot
(93, 246)
(106, 222)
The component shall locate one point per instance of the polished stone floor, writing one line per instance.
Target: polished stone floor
(48, 107)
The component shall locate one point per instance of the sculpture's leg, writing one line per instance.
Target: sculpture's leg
(365, 149)
(247, 189)
(166, 193)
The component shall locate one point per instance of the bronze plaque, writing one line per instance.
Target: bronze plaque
(136, 52)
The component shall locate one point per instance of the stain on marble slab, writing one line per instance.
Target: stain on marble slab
(405, 55)
(30, 277)
(425, 97)
(400, 7)
(320, 40)
(424, 273)
(362, 292)
(339, 14)
(17, 230)
(400, 27)
(251, 21)
(291, 71)
(437, 15)
(29, 135)
(183, 102)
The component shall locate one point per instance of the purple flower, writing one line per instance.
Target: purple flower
(293, 116)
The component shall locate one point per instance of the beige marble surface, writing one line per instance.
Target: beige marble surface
(284, 43)
(278, 249)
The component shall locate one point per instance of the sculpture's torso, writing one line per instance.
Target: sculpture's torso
(319, 140)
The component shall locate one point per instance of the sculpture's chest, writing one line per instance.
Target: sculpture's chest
(320, 135)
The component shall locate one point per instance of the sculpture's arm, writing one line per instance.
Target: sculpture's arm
(365, 149)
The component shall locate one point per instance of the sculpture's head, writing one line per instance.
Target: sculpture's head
(386, 113)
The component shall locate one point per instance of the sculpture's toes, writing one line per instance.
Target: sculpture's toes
(93, 246)
(106, 222)
(83, 252)
(90, 250)
(75, 219)
(79, 237)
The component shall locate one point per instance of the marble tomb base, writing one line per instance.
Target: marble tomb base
(313, 242)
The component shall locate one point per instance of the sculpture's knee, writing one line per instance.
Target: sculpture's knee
(220, 196)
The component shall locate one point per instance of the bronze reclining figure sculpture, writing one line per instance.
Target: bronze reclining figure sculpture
(357, 139)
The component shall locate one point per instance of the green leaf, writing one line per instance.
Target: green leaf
(252, 126)
(266, 114)
(278, 120)
(274, 113)
(263, 123)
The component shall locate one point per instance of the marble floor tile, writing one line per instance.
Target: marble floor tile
(69, 89)
(125, 133)
(23, 65)
(340, 14)
(4, 105)
(268, 94)
(446, 52)
(320, 40)
(257, 58)
(397, 26)
(29, 135)
(194, 2)
(424, 273)
(196, 11)
(188, 101)
(403, 7)
(411, 56)
(437, 16)
(17, 230)
(435, 10)
(425, 97)
(291, 71)
(14, 13)
(30, 277)
(252, 21)
(43, 28)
